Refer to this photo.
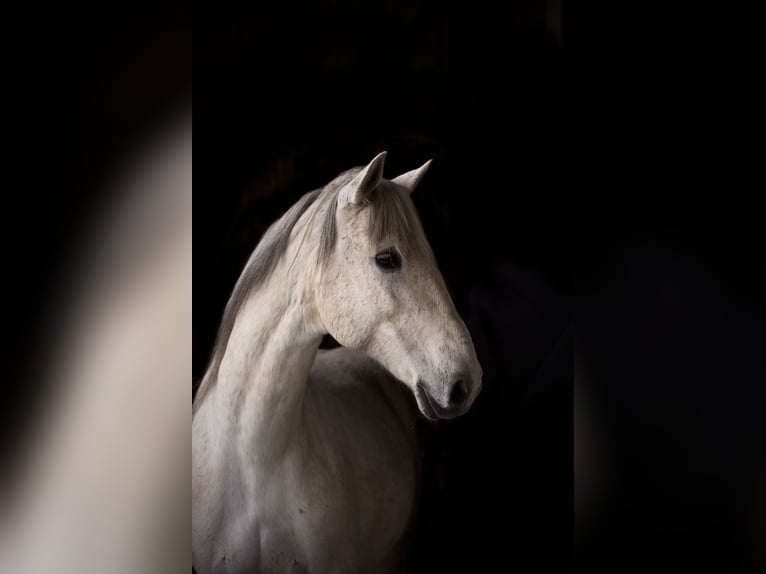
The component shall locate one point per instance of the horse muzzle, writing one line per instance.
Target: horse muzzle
(457, 400)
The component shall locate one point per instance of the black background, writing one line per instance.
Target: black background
(596, 187)
(670, 285)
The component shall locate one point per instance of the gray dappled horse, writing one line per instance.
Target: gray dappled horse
(305, 460)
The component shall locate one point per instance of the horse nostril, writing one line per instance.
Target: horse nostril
(459, 393)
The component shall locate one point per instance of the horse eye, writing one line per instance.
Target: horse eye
(388, 260)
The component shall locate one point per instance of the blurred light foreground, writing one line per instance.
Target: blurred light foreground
(105, 484)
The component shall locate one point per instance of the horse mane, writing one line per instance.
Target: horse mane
(391, 218)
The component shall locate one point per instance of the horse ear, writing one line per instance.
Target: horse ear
(411, 179)
(364, 182)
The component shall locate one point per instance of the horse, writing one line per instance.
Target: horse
(306, 460)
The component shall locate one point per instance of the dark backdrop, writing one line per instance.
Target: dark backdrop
(289, 94)
(653, 198)
(665, 163)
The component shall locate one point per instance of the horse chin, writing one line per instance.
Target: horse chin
(426, 409)
(424, 403)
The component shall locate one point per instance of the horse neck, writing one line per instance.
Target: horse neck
(258, 398)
